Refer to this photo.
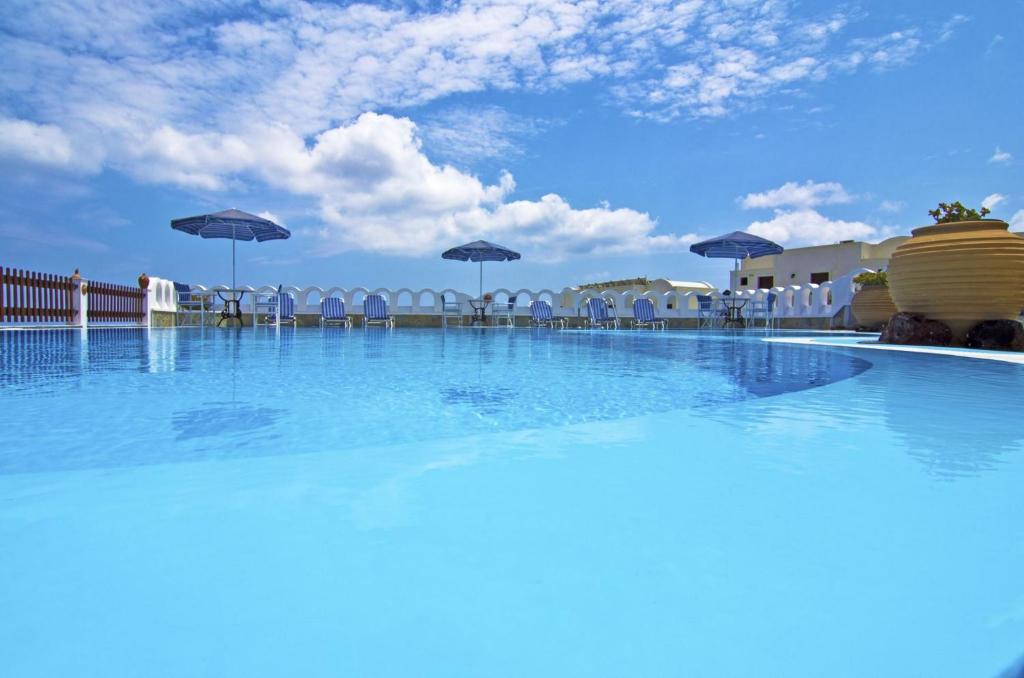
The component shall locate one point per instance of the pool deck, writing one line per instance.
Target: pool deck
(870, 341)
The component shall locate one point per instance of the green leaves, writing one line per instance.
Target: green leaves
(872, 278)
(949, 213)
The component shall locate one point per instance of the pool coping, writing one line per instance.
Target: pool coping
(977, 354)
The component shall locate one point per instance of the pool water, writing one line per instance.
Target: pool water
(504, 503)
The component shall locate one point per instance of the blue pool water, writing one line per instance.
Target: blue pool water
(504, 503)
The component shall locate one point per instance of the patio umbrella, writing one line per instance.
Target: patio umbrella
(481, 251)
(234, 224)
(736, 245)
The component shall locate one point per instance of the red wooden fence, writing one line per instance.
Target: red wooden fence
(30, 297)
(115, 303)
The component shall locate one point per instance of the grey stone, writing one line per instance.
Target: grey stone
(1000, 335)
(915, 329)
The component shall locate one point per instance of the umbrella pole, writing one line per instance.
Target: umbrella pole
(481, 293)
(232, 256)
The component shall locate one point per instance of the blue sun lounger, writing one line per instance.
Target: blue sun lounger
(541, 315)
(332, 310)
(644, 316)
(286, 307)
(598, 316)
(375, 311)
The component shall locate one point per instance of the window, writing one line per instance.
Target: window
(765, 282)
(818, 278)
(743, 281)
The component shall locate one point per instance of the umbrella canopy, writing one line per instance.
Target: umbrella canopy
(233, 224)
(736, 245)
(481, 251)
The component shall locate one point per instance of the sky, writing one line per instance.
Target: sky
(600, 139)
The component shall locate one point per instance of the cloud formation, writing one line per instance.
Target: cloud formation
(1017, 220)
(992, 200)
(211, 96)
(792, 194)
(795, 221)
(1000, 156)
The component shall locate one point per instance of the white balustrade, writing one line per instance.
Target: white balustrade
(793, 301)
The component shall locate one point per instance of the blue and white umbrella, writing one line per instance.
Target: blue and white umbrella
(736, 245)
(234, 224)
(481, 251)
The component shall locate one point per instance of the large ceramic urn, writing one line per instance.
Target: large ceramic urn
(872, 305)
(960, 273)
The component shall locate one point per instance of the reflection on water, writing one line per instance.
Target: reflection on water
(229, 419)
(485, 401)
(165, 396)
(953, 414)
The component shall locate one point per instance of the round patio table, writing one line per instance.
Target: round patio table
(479, 307)
(733, 307)
(232, 305)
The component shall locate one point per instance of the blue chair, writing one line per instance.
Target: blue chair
(332, 310)
(763, 309)
(644, 316)
(598, 315)
(375, 311)
(450, 309)
(188, 303)
(541, 315)
(286, 309)
(506, 311)
(707, 314)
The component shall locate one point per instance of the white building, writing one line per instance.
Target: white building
(643, 284)
(802, 265)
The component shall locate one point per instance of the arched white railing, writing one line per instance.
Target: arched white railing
(792, 301)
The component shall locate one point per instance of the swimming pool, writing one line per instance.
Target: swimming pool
(504, 503)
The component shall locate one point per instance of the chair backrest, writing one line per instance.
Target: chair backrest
(704, 302)
(332, 308)
(183, 291)
(772, 298)
(643, 310)
(597, 309)
(512, 302)
(375, 307)
(286, 304)
(540, 311)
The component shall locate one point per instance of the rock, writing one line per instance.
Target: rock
(1000, 335)
(915, 329)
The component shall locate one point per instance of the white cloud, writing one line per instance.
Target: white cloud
(992, 200)
(882, 52)
(311, 65)
(465, 135)
(272, 217)
(377, 191)
(809, 227)
(1000, 156)
(34, 143)
(1017, 220)
(792, 194)
(192, 95)
(892, 205)
(947, 29)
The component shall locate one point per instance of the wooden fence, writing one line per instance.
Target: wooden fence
(30, 297)
(111, 303)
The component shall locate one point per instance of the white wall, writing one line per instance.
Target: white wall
(795, 266)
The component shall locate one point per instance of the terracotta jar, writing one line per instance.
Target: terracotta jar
(143, 281)
(872, 305)
(960, 273)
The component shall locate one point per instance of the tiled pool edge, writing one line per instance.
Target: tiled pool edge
(999, 356)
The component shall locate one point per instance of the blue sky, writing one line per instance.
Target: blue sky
(600, 139)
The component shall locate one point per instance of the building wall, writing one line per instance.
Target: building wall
(641, 285)
(795, 266)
